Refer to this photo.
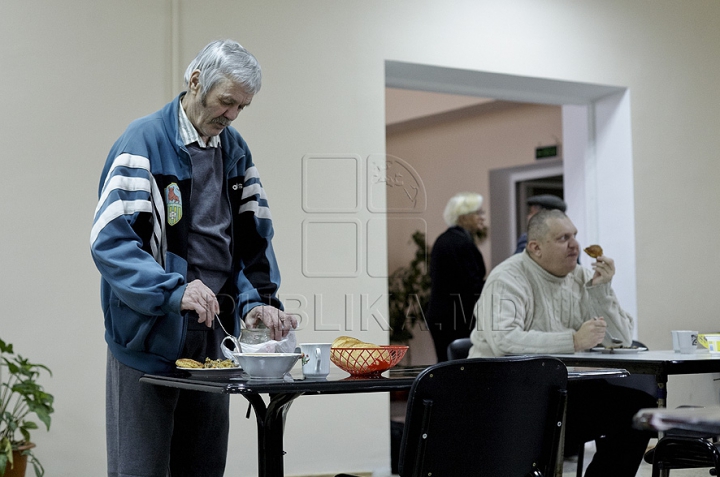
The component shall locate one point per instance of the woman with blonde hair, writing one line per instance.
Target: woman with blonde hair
(457, 272)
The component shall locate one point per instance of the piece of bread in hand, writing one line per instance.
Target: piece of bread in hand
(594, 251)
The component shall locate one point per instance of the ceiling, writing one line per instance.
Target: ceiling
(403, 105)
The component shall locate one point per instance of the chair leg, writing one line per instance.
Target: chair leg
(659, 471)
(580, 459)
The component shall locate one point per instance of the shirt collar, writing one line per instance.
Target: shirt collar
(189, 134)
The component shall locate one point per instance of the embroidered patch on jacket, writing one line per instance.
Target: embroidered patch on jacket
(173, 199)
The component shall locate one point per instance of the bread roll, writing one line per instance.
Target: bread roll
(366, 355)
(350, 342)
(594, 251)
(188, 363)
(344, 342)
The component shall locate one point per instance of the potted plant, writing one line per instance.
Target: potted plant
(20, 396)
(409, 289)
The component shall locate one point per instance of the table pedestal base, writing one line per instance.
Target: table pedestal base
(271, 427)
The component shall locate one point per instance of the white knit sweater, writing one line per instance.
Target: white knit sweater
(524, 309)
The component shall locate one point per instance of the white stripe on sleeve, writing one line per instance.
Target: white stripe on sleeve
(115, 210)
(124, 183)
(128, 160)
(254, 189)
(260, 211)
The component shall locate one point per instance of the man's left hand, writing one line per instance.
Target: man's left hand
(278, 322)
(604, 270)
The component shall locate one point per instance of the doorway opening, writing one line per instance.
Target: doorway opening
(552, 185)
(596, 164)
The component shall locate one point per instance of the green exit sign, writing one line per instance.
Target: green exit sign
(546, 152)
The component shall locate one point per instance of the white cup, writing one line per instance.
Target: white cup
(315, 359)
(676, 345)
(687, 341)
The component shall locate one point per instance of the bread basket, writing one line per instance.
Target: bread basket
(367, 361)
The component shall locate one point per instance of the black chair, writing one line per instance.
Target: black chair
(681, 449)
(485, 416)
(459, 349)
(683, 452)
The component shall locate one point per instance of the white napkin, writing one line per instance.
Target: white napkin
(286, 345)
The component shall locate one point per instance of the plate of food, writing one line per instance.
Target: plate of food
(619, 349)
(210, 368)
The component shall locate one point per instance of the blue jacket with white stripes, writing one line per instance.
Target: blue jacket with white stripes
(139, 239)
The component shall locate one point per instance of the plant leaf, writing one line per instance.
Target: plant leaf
(5, 348)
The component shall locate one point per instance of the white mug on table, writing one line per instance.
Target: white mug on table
(685, 341)
(315, 359)
(676, 345)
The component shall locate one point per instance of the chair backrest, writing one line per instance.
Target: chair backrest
(459, 349)
(496, 417)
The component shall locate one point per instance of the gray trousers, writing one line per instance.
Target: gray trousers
(156, 431)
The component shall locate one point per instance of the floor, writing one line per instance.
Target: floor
(645, 470)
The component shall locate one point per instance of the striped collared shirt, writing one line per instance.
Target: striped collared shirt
(189, 134)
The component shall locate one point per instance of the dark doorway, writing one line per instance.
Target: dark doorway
(524, 189)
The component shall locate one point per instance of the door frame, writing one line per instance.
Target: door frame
(503, 211)
(596, 145)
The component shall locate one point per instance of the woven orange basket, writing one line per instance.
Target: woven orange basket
(367, 361)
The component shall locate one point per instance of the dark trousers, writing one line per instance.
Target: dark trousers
(602, 412)
(155, 431)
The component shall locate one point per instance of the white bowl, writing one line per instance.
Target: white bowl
(266, 365)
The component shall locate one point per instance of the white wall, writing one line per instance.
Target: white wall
(76, 72)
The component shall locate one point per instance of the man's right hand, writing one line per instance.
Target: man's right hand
(278, 322)
(590, 334)
(200, 299)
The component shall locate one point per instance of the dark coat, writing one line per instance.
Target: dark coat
(457, 274)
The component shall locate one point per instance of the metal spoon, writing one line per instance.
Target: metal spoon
(613, 339)
(236, 343)
(217, 318)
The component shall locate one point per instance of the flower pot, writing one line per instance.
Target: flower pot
(19, 462)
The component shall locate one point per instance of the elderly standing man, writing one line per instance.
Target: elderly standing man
(182, 222)
(541, 301)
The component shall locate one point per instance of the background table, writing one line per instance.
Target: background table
(700, 419)
(660, 363)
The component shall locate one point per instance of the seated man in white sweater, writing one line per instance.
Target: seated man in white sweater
(541, 301)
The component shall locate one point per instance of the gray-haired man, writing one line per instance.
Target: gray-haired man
(182, 220)
(541, 301)
(535, 204)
